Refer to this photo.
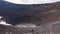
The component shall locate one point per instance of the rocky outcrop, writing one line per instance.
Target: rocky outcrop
(43, 29)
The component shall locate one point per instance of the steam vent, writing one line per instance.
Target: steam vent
(30, 18)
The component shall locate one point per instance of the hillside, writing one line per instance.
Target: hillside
(37, 14)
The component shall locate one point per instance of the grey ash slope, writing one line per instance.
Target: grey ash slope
(19, 13)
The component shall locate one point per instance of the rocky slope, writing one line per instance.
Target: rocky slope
(43, 29)
(37, 14)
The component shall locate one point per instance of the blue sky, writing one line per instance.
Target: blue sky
(31, 1)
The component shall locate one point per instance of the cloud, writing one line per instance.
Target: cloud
(31, 1)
